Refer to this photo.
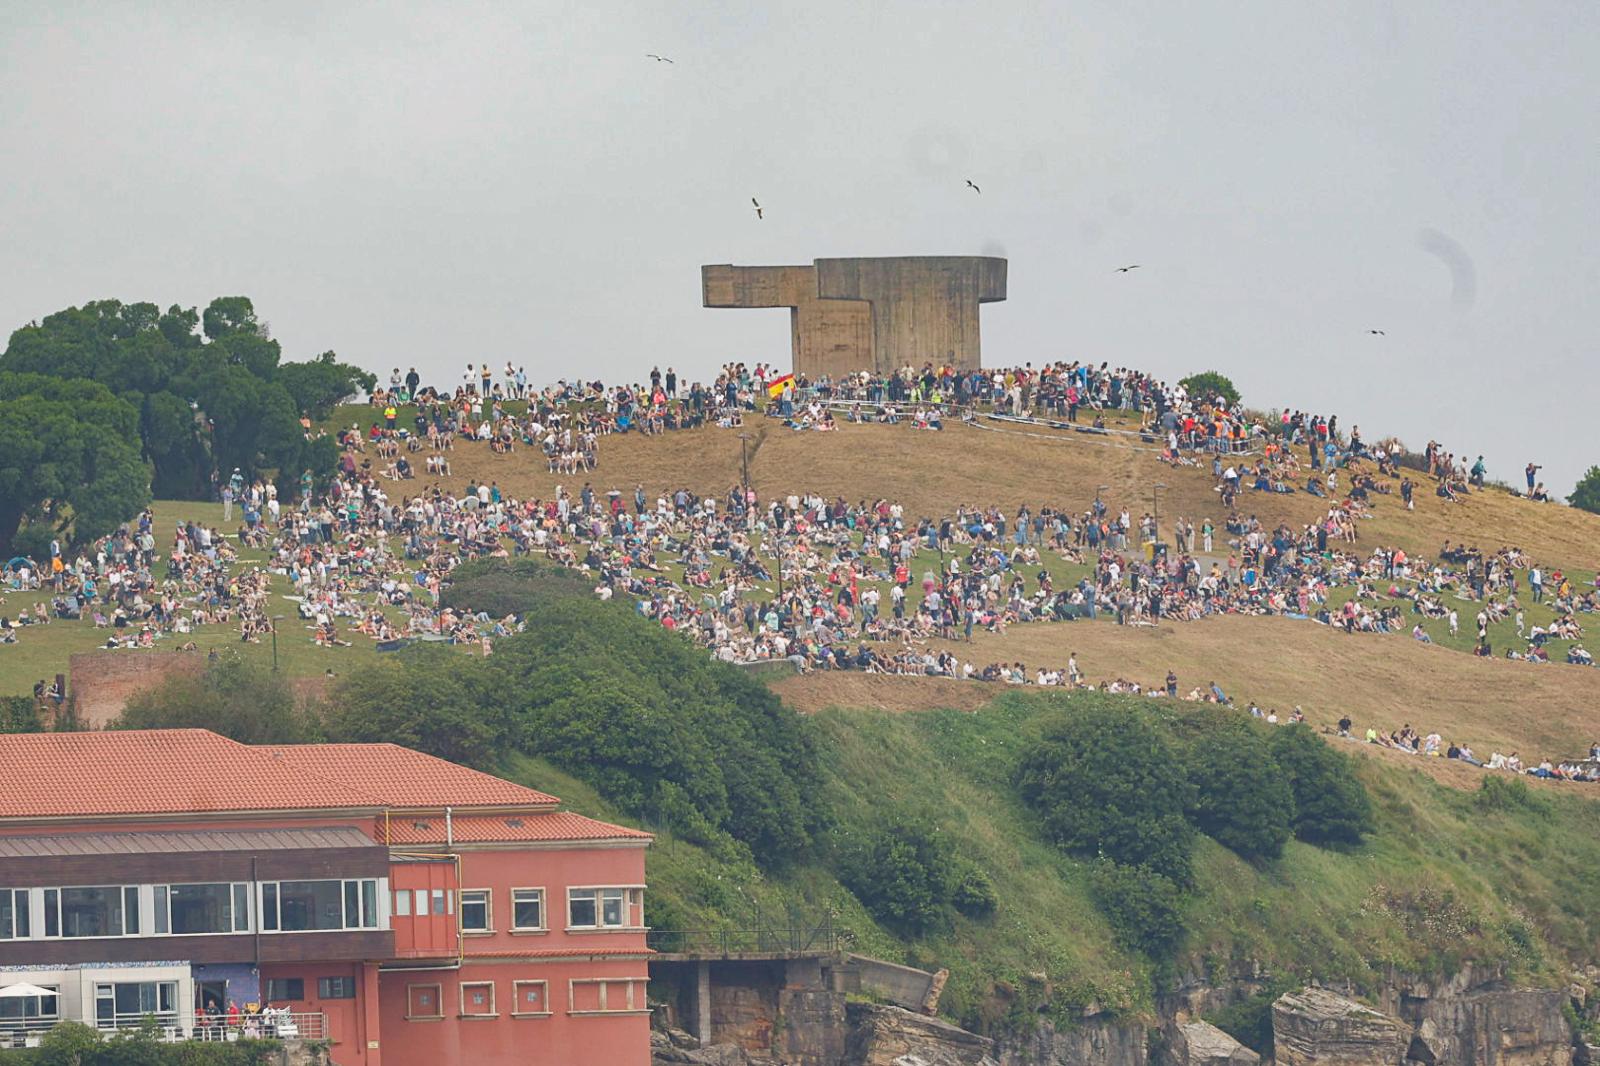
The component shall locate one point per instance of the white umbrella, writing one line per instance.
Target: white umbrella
(24, 990)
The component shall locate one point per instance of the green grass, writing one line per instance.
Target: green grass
(1443, 878)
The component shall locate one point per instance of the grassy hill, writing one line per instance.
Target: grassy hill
(1446, 876)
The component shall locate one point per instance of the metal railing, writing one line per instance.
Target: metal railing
(274, 1025)
(821, 938)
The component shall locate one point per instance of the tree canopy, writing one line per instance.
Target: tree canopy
(209, 390)
(1586, 495)
(69, 453)
(1210, 386)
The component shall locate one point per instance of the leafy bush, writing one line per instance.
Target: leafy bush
(1249, 1021)
(1209, 386)
(905, 873)
(238, 699)
(499, 587)
(974, 894)
(1107, 784)
(1145, 908)
(1509, 795)
(75, 1044)
(19, 714)
(1331, 804)
(1242, 799)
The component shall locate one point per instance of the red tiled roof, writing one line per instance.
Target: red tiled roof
(487, 828)
(401, 777)
(155, 771)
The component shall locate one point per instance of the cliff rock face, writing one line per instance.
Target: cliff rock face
(1316, 1025)
(1499, 1027)
(1203, 1044)
(1093, 1042)
(891, 1036)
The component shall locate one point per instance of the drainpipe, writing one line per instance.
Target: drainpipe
(449, 829)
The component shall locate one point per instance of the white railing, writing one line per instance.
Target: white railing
(269, 1025)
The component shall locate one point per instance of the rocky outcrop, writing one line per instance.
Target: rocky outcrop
(1094, 1041)
(1495, 1027)
(1316, 1025)
(669, 1049)
(892, 1036)
(1203, 1044)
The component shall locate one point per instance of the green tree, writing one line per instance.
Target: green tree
(1586, 494)
(431, 698)
(69, 457)
(1106, 783)
(240, 700)
(1211, 385)
(210, 389)
(1242, 800)
(1331, 803)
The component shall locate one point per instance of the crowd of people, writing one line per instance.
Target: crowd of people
(822, 582)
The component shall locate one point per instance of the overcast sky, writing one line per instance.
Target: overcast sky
(434, 184)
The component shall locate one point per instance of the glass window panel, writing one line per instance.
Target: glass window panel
(162, 916)
(206, 908)
(422, 902)
(269, 905)
(284, 989)
(581, 908)
(527, 909)
(402, 903)
(8, 911)
(475, 910)
(52, 912)
(369, 904)
(241, 908)
(91, 912)
(611, 906)
(439, 900)
(130, 910)
(310, 905)
(352, 904)
(336, 988)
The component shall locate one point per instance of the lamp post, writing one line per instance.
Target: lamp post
(744, 462)
(1155, 499)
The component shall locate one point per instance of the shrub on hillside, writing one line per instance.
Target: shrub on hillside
(1509, 795)
(1209, 386)
(1586, 493)
(499, 587)
(1106, 783)
(235, 698)
(906, 874)
(1242, 799)
(19, 714)
(1145, 909)
(631, 707)
(1331, 803)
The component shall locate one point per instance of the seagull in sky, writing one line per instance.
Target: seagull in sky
(1124, 270)
(1377, 332)
(973, 187)
(758, 207)
(658, 59)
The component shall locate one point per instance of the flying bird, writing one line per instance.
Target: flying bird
(1377, 332)
(1124, 270)
(973, 187)
(658, 59)
(758, 207)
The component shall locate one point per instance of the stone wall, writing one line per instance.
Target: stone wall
(100, 683)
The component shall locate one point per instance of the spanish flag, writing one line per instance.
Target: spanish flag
(776, 386)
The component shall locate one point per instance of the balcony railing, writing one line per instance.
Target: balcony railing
(270, 1025)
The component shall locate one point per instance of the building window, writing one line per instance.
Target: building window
(607, 995)
(336, 988)
(530, 999)
(286, 990)
(111, 910)
(475, 911)
(424, 1003)
(443, 902)
(130, 1002)
(527, 910)
(188, 910)
(31, 1012)
(596, 908)
(402, 903)
(477, 999)
(306, 906)
(13, 916)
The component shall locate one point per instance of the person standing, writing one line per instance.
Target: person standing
(1531, 472)
(1536, 582)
